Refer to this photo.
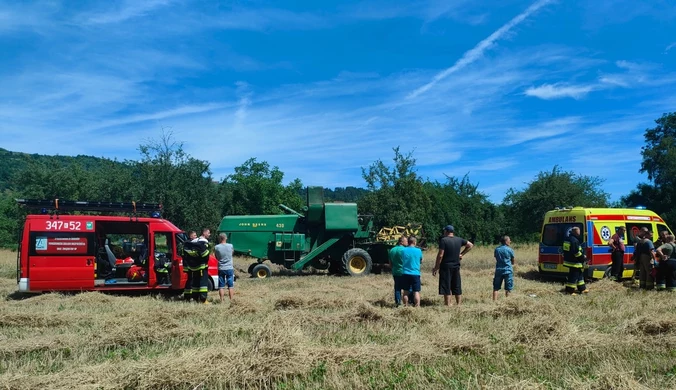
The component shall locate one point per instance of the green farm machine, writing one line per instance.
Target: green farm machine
(323, 236)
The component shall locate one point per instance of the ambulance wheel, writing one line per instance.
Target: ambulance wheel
(261, 271)
(210, 284)
(357, 262)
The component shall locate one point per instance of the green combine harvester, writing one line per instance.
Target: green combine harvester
(323, 236)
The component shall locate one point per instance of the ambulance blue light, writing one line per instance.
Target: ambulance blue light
(640, 207)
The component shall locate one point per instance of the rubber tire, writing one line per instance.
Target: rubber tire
(210, 284)
(250, 269)
(352, 253)
(261, 267)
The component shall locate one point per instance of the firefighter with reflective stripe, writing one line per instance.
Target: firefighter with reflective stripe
(187, 289)
(574, 259)
(162, 267)
(201, 284)
(195, 262)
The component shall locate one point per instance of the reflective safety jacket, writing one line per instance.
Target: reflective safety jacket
(195, 255)
(572, 253)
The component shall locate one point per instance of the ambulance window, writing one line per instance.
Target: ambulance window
(553, 234)
(661, 227)
(550, 235)
(633, 229)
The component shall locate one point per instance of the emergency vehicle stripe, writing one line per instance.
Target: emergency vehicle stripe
(590, 231)
(606, 217)
(552, 250)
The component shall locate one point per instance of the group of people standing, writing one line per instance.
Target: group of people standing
(406, 260)
(196, 264)
(654, 262)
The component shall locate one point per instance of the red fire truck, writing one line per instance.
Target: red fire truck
(62, 251)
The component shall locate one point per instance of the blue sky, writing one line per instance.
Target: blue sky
(499, 90)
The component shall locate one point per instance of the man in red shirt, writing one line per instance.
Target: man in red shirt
(616, 244)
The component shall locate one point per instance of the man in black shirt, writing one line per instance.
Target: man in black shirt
(448, 265)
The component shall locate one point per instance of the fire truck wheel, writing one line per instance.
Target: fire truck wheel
(261, 271)
(357, 262)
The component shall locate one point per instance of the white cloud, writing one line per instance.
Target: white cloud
(669, 47)
(477, 51)
(130, 9)
(559, 90)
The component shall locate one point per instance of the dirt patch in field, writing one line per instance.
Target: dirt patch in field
(647, 326)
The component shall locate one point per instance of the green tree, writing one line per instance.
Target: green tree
(460, 203)
(183, 185)
(10, 218)
(256, 188)
(659, 162)
(396, 194)
(525, 209)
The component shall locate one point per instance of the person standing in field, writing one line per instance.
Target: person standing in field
(504, 267)
(448, 265)
(397, 265)
(647, 260)
(667, 269)
(226, 270)
(410, 278)
(573, 259)
(617, 248)
(637, 254)
(187, 289)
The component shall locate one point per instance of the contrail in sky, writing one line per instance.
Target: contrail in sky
(477, 51)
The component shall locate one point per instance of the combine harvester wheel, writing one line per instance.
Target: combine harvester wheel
(357, 262)
(261, 271)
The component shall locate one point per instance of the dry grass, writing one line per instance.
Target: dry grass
(318, 332)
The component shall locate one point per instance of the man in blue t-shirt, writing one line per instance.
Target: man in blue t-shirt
(504, 267)
(410, 276)
(397, 267)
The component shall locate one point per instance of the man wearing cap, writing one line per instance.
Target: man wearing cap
(448, 265)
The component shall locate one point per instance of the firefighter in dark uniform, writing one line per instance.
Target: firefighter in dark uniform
(187, 290)
(574, 259)
(195, 263)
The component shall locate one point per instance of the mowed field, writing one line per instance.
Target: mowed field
(316, 331)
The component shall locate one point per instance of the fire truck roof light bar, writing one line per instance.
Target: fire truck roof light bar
(73, 205)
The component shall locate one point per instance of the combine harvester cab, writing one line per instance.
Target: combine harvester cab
(324, 236)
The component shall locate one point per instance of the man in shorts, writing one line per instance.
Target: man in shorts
(504, 268)
(397, 266)
(226, 270)
(410, 277)
(448, 265)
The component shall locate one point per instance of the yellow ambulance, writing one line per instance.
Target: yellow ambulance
(596, 225)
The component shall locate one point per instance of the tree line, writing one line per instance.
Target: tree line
(395, 192)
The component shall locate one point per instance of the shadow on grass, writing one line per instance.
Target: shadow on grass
(19, 296)
(538, 277)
